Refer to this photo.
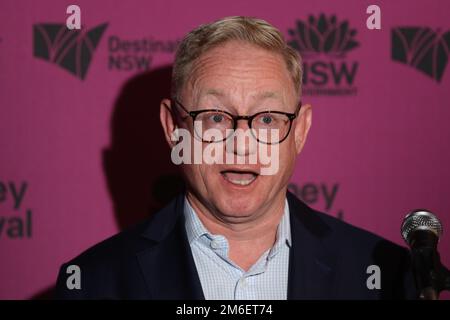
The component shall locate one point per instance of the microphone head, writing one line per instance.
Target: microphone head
(420, 220)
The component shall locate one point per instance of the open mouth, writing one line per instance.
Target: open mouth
(238, 177)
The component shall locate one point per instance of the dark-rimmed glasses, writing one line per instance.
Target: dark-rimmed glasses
(261, 124)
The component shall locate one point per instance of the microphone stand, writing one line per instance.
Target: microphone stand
(432, 283)
(441, 280)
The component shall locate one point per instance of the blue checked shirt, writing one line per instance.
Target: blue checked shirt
(222, 279)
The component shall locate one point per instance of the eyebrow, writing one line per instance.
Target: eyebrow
(259, 96)
(267, 94)
(214, 92)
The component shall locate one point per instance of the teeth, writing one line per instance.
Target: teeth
(241, 182)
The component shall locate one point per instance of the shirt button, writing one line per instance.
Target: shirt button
(215, 244)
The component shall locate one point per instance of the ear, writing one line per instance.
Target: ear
(302, 125)
(167, 121)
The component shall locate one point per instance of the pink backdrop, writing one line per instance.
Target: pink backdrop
(91, 151)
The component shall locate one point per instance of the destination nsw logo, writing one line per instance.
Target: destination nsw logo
(137, 54)
(70, 49)
(421, 48)
(324, 43)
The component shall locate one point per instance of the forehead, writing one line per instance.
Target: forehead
(239, 68)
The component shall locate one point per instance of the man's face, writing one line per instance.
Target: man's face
(242, 79)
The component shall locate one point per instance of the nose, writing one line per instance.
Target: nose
(244, 144)
(242, 124)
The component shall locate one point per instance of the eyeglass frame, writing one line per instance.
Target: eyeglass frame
(236, 118)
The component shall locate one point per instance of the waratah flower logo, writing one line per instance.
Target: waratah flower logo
(323, 35)
(70, 49)
(422, 48)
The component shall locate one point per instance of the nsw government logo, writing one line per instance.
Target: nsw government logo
(70, 49)
(324, 43)
(424, 49)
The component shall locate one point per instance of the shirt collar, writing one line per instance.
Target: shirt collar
(283, 232)
(195, 228)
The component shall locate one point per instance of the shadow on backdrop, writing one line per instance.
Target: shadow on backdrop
(139, 173)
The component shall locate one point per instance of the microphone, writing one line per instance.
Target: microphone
(421, 230)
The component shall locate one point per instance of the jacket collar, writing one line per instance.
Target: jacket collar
(311, 264)
(168, 266)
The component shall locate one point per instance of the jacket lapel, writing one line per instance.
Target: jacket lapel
(168, 266)
(311, 264)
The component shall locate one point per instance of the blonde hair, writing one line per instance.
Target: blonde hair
(251, 30)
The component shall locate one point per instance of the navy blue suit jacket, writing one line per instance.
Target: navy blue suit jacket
(328, 260)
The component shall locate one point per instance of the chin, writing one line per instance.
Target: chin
(239, 204)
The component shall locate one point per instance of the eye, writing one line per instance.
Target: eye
(217, 118)
(266, 119)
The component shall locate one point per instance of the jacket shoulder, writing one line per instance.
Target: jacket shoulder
(115, 248)
(103, 268)
(111, 266)
(355, 250)
(338, 233)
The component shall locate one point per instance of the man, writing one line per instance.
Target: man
(237, 233)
